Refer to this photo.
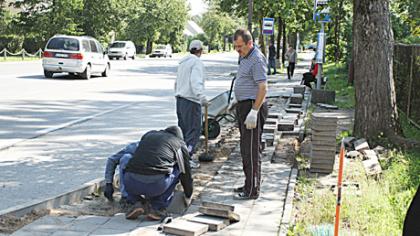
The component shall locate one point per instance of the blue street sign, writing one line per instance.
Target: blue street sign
(268, 26)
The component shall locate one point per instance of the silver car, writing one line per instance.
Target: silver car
(76, 55)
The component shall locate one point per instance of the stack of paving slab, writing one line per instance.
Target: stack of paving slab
(214, 217)
(323, 143)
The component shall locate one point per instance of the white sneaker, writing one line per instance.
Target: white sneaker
(194, 164)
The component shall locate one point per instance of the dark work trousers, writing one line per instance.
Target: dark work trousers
(272, 64)
(307, 79)
(290, 70)
(250, 144)
(159, 193)
(189, 120)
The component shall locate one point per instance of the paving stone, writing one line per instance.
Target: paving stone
(105, 231)
(322, 96)
(327, 106)
(361, 144)
(293, 110)
(271, 121)
(269, 129)
(214, 223)
(286, 125)
(185, 228)
(299, 89)
(30, 233)
(354, 155)
(293, 105)
(274, 115)
(49, 224)
(119, 222)
(70, 233)
(296, 98)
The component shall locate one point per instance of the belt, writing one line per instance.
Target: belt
(247, 100)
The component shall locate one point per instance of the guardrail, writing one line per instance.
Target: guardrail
(22, 53)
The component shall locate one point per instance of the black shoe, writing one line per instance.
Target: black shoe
(244, 196)
(239, 189)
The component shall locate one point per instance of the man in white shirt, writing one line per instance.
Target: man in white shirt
(189, 92)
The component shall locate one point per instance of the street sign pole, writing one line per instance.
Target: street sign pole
(320, 55)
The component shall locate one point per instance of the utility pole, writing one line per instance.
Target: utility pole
(250, 9)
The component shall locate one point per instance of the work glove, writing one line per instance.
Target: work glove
(232, 104)
(109, 190)
(251, 119)
(204, 101)
(187, 201)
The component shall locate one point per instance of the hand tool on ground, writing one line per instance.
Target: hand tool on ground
(206, 156)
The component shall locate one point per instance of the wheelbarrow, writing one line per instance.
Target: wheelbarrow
(217, 111)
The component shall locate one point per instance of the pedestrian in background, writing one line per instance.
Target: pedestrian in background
(251, 108)
(291, 57)
(189, 93)
(272, 58)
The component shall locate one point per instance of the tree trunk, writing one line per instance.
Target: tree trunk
(279, 33)
(250, 11)
(376, 109)
(149, 46)
(261, 39)
(284, 49)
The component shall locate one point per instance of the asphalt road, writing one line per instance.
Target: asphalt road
(105, 113)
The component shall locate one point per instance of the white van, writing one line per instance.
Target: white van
(77, 55)
(162, 51)
(122, 49)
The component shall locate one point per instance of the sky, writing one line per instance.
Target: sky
(197, 7)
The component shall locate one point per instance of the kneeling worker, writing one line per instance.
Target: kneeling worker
(160, 161)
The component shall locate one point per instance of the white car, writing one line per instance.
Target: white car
(76, 55)
(122, 49)
(162, 51)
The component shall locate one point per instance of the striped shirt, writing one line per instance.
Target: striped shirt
(252, 70)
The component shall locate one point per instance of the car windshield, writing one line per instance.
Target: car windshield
(117, 45)
(67, 44)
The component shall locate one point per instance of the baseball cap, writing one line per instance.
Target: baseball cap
(197, 44)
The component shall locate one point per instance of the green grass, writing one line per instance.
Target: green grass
(377, 207)
(337, 81)
(409, 130)
(13, 58)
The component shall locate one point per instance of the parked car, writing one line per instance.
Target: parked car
(76, 55)
(122, 49)
(162, 51)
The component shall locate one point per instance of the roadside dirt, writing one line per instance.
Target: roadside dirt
(95, 204)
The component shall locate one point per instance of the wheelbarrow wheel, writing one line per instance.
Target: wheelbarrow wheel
(214, 128)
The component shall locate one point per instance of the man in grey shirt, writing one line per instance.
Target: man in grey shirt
(250, 91)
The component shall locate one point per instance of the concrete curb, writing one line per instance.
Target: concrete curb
(75, 195)
(286, 219)
(43, 132)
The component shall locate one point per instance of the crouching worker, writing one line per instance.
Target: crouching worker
(119, 159)
(310, 76)
(159, 163)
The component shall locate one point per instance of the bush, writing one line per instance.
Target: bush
(12, 43)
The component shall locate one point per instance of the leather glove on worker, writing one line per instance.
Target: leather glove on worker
(251, 119)
(109, 190)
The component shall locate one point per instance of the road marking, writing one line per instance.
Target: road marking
(54, 128)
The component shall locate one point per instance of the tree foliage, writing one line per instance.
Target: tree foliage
(218, 26)
(161, 21)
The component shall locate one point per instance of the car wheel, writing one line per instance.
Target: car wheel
(106, 71)
(86, 74)
(134, 57)
(48, 74)
(125, 57)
